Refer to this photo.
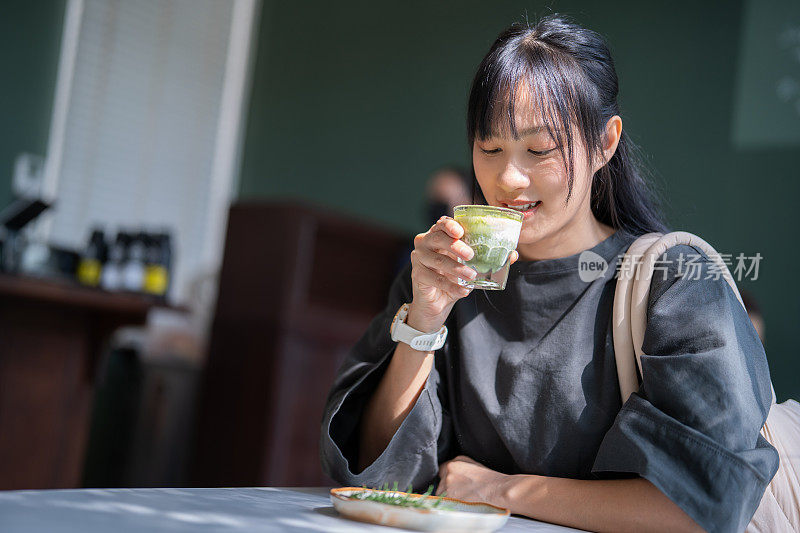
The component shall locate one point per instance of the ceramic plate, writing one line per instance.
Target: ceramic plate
(459, 516)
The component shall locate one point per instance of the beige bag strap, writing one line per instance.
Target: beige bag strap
(629, 314)
(624, 352)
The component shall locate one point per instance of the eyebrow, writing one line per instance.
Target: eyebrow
(532, 131)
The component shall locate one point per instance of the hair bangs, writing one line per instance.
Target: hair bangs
(541, 82)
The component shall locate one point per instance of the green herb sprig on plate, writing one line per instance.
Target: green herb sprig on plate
(408, 499)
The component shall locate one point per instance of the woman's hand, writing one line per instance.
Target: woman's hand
(434, 274)
(435, 271)
(466, 479)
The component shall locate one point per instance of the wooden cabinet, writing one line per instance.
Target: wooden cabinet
(298, 287)
(52, 335)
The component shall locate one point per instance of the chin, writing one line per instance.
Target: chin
(529, 235)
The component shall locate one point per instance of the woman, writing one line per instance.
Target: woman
(520, 407)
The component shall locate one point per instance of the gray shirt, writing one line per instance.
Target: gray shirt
(527, 383)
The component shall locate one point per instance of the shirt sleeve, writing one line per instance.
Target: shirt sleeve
(412, 455)
(693, 429)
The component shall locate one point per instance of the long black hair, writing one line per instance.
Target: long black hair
(569, 72)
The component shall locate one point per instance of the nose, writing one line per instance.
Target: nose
(512, 179)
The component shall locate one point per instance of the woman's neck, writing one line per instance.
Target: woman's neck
(578, 235)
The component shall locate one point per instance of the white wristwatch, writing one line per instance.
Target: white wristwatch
(424, 342)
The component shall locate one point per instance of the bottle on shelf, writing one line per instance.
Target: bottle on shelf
(90, 265)
(133, 265)
(111, 278)
(157, 274)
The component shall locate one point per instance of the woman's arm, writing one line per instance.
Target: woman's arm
(391, 402)
(433, 275)
(617, 505)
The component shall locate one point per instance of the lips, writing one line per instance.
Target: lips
(525, 207)
(528, 209)
(522, 207)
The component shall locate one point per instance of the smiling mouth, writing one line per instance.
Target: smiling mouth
(524, 207)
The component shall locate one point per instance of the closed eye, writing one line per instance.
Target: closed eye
(544, 152)
(494, 151)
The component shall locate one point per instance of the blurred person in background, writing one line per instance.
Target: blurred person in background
(447, 187)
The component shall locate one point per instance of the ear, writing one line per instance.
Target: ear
(611, 137)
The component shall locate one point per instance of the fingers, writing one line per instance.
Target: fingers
(435, 258)
(449, 226)
(442, 479)
(443, 237)
(514, 257)
(442, 281)
(445, 264)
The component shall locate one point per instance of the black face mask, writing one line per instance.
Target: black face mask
(436, 210)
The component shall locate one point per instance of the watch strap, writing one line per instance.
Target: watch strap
(424, 342)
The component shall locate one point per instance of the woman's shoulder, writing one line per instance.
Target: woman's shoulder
(679, 249)
(693, 267)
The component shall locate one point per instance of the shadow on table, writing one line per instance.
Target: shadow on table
(327, 511)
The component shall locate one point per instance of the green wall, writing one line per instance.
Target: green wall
(30, 39)
(353, 104)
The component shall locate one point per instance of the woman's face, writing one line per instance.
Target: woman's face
(515, 173)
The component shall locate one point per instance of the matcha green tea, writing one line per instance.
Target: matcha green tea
(492, 233)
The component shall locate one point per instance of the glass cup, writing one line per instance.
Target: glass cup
(492, 233)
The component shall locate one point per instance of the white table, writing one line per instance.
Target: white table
(262, 509)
